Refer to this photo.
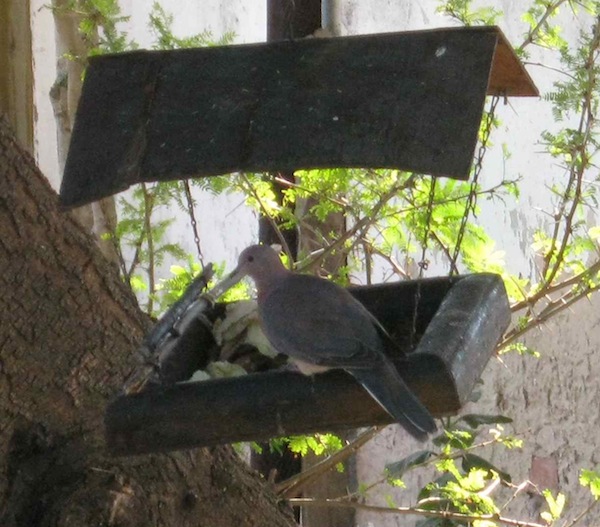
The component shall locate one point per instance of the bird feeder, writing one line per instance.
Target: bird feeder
(449, 328)
(410, 101)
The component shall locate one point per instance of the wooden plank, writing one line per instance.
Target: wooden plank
(401, 100)
(458, 324)
(16, 79)
(509, 77)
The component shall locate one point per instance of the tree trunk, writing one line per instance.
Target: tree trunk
(68, 332)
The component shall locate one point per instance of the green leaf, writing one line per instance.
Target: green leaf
(475, 480)
(399, 468)
(555, 506)
(137, 283)
(472, 461)
(591, 479)
(521, 349)
(178, 270)
(459, 439)
(432, 489)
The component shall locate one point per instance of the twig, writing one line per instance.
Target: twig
(272, 222)
(446, 251)
(429, 461)
(581, 514)
(334, 503)
(550, 311)
(294, 484)
(414, 206)
(291, 184)
(577, 169)
(362, 225)
(556, 287)
(391, 261)
(541, 65)
(532, 33)
(519, 488)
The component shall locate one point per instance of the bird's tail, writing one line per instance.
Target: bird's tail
(387, 387)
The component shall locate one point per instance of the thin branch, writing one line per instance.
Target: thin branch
(550, 311)
(294, 484)
(479, 193)
(533, 33)
(582, 514)
(362, 225)
(398, 269)
(446, 250)
(518, 489)
(414, 511)
(270, 218)
(577, 169)
(118, 251)
(540, 65)
(529, 301)
(430, 461)
(311, 193)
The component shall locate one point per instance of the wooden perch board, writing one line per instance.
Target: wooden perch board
(409, 100)
(456, 329)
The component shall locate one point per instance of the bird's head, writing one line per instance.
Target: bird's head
(259, 262)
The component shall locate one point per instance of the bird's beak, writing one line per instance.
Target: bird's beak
(227, 283)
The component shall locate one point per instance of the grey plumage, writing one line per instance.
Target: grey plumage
(320, 326)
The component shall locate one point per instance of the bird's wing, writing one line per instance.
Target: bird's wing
(389, 343)
(316, 321)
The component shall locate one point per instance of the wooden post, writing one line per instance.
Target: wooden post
(16, 74)
(286, 20)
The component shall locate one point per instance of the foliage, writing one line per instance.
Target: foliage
(141, 239)
(161, 26)
(404, 222)
(591, 479)
(99, 25)
(463, 12)
(319, 444)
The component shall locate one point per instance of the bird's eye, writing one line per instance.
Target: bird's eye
(250, 258)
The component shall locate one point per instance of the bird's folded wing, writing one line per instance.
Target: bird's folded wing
(320, 324)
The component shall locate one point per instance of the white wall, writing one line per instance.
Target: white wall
(44, 68)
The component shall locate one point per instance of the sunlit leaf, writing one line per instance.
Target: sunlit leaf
(591, 479)
(473, 461)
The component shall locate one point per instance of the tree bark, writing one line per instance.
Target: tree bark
(68, 331)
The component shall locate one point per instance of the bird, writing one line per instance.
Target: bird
(321, 326)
